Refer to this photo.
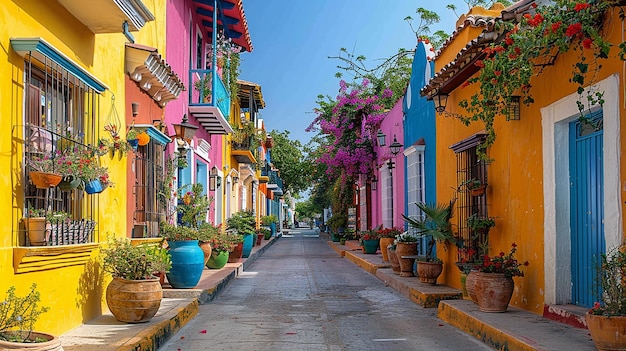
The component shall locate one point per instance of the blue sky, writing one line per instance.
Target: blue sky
(292, 40)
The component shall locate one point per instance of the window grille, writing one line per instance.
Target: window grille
(469, 166)
(60, 116)
(148, 187)
(386, 196)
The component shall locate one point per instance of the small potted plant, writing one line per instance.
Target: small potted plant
(221, 244)
(480, 225)
(406, 245)
(494, 284)
(131, 138)
(244, 223)
(606, 321)
(43, 171)
(387, 236)
(475, 186)
(134, 295)
(18, 315)
(436, 226)
(370, 240)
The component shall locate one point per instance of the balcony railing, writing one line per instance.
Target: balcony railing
(275, 179)
(200, 87)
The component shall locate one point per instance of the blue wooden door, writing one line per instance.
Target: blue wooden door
(586, 206)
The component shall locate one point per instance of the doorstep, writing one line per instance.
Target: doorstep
(514, 330)
(369, 262)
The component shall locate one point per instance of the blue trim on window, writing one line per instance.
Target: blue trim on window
(30, 45)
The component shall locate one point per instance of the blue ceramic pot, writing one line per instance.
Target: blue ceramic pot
(273, 228)
(187, 264)
(133, 143)
(93, 187)
(248, 242)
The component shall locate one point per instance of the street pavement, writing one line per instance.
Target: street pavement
(300, 296)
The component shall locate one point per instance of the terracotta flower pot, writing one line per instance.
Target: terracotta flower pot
(52, 343)
(384, 242)
(236, 254)
(134, 301)
(44, 180)
(406, 264)
(206, 250)
(428, 272)
(493, 291)
(608, 333)
(393, 259)
(470, 285)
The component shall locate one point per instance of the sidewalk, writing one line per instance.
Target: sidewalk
(515, 330)
(178, 307)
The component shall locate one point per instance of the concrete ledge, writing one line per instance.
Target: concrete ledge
(340, 249)
(515, 330)
(105, 333)
(369, 262)
(423, 294)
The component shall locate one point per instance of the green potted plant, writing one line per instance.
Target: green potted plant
(206, 232)
(222, 245)
(18, 315)
(134, 295)
(187, 256)
(131, 138)
(494, 284)
(244, 223)
(479, 224)
(436, 226)
(606, 321)
(270, 221)
(387, 236)
(475, 186)
(370, 240)
(406, 249)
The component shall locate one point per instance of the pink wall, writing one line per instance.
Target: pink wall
(178, 50)
(391, 125)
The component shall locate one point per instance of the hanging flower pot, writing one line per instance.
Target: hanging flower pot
(44, 180)
(69, 183)
(143, 139)
(133, 143)
(93, 187)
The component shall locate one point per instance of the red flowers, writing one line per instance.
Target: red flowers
(580, 7)
(503, 263)
(556, 26)
(573, 29)
(587, 43)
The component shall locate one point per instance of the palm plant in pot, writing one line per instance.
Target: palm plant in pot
(134, 295)
(18, 315)
(436, 226)
(607, 319)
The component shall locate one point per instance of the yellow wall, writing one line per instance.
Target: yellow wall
(515, 177)
(73, 293)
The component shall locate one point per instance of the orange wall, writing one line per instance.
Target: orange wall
(515, 177)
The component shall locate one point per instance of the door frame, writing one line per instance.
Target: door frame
(555, 134)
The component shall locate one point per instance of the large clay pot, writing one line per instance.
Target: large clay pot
(406, 264)
(52, 344)
(236, 254)
(370, 246)
(608, 333)
(393, 259)
(206, 250)
(259, 239)
(248, 243)
(134, 301)
(384, 243)
(217, 260)
(428, 272)
(493, 291)
(187, 264)
(470, 285)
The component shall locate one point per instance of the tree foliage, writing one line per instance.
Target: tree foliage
(288, 156)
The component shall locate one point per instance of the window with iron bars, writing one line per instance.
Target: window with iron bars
(151, 192)
(60, 117)
(470, 167)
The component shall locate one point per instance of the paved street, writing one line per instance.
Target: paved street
(299, 295)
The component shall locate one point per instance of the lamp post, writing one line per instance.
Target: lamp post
(184, 133)
(395, 149)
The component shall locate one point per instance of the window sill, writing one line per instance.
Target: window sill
(41, 258)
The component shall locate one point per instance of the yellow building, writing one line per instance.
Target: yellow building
(63, 69)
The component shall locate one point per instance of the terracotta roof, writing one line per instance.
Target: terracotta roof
(231, 18)
(463, 66)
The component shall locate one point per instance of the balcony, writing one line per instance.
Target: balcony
(242, 152)
(275, 184)
(212, 115)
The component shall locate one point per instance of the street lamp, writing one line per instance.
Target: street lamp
(184, 133)
(395, 149)
(214, 179)
(380, 136)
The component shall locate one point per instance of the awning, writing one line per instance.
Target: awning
(231, 18)
(43, 51)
